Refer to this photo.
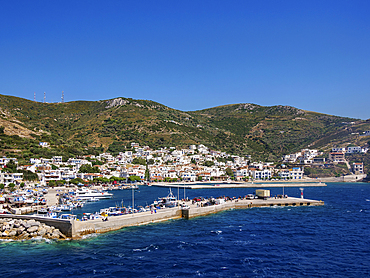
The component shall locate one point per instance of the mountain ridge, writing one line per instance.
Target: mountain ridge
(82, 127)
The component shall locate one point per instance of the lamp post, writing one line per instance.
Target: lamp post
(133, 199)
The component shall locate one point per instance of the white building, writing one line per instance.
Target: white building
(354, 149)
(7, 178)
(358, 168)
(296, 173)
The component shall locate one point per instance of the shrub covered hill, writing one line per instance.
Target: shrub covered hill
(90, 127)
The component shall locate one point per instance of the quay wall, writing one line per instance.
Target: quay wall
(81, 228)
(196, 211)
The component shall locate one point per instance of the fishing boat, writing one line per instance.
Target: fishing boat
(68, 217)
(169, 201)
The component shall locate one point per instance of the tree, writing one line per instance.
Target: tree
(209, 163)
(2, 130)
(86, 168)
(77, 181)
(11, 186)
(134, 178)
(52, 183)
(11, 166)
(200, 178)
(2, 186)
(22, 185)
(229, 172)
(138, 160)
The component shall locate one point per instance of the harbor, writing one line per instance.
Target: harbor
(209, 185)
(166, 208)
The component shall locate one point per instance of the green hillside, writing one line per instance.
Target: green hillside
(89, 127)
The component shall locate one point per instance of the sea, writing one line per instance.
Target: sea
(325, 241)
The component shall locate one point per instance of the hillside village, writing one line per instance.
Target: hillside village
(192, 164)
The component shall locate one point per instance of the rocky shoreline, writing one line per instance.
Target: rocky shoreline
(19, 229)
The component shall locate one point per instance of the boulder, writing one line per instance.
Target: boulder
(12, 233)
(41, 232)
(32, 229)
(34, 223)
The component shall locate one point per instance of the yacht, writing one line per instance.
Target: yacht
(87, 194)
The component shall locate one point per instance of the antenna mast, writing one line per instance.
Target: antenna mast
(44, 96)
(62, 96)
(34, 96)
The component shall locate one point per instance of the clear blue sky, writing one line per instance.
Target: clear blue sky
(190, 55)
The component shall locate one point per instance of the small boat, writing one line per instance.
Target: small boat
(65, 208)
(42, 211)
(68, 217)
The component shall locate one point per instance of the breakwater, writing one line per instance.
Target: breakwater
(76, 229)
(23, 229)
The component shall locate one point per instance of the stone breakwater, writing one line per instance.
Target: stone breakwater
(19, 229)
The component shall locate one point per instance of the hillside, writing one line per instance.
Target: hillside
(83, 127)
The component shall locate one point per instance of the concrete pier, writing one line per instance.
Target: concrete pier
(76, 229)
(196, 210)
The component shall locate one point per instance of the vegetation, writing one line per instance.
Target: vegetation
(90, 127)
(86, 168)
(138, 160)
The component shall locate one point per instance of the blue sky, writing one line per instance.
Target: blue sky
(190, 55)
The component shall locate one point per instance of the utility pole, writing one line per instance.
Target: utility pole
(44, 96)
(34, 96)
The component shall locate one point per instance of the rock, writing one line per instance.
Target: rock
(17, 225)
(34, 223)
(32, 229)
(26, 225)
(12, 233)
(24, 235)
(5, 233)
(41, 232)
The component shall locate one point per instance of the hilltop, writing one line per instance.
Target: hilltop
(89, 127)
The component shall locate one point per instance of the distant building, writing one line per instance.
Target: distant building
(337, 157)
(44, 144)
(358, 168)
(296, 173)
(354, 150)
(338, 150)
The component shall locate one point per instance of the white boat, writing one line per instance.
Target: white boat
(92, 199)
(84, 194)
(68, 217)
(64, 208)
(169, 202)
(42, 211)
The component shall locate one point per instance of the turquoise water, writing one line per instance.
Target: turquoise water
(328, 241)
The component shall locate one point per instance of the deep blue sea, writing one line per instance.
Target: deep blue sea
(327, 241)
